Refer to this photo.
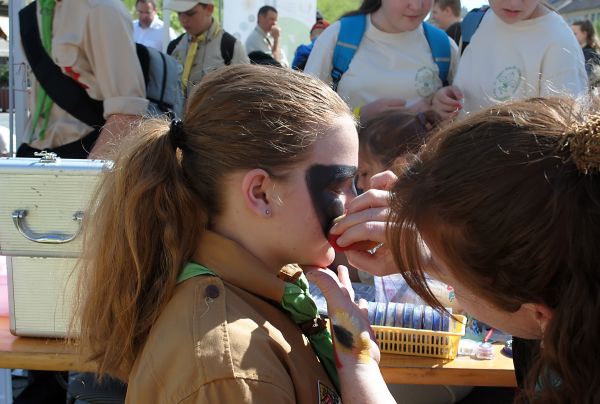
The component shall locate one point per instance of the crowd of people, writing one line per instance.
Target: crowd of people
(470, 151)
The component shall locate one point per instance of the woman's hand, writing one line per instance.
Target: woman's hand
(366, 219)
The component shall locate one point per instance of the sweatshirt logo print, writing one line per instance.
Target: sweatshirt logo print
(427, 81)
(507, 83)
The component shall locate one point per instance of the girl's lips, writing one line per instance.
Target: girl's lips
(364, 245)
(511, 13)
(358, 246)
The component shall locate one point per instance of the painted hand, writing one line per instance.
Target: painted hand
(353, 339)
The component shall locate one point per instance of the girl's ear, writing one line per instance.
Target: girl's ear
(544, 315)
(255, 185)
(541, 313)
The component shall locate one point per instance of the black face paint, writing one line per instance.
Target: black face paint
(343, 336)
(324, 184)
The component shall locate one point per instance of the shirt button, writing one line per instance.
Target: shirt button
(212, 291)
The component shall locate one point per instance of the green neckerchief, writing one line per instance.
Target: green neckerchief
(297, 301)
(192, 269)
(43, 103)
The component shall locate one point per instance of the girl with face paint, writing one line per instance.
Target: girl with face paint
(189, 234)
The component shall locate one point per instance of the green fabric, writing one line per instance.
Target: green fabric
(302, 308)
(192, 269)
(298, 302)
(43, 103)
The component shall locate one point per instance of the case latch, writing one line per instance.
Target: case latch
(46, 156)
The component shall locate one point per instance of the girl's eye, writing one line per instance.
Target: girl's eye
(345, 188)
(337, 190)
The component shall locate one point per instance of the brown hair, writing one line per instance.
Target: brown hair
(366, 7)
(152, 207)
(453, 4)
(518, 222)
(591, 39)
(393, 133)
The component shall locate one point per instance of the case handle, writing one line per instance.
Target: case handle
(18, 217)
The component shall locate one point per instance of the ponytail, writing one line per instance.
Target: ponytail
(142, 229)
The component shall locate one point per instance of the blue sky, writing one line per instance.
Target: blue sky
(470, 4)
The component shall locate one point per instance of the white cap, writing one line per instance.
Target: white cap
(181, 6)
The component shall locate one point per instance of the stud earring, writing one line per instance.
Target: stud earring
(267, 212)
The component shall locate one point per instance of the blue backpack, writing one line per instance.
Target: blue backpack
(469, 25)
(352, 29)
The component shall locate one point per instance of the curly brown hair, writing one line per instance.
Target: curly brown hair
(516, 205)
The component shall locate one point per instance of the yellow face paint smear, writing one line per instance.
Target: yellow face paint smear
(349, 337)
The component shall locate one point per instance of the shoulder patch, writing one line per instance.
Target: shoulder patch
(327, 395)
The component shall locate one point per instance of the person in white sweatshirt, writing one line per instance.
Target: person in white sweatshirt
(521, 49)
(393, 66)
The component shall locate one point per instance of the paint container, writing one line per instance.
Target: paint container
(371, 308)
(390, 315)
(428, 318)
(437, 321)
(379, 313)
(484, 350)
(407, 315)
(417, 322)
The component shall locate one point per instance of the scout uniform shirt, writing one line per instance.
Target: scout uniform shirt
(208, 55)
(92, 43)
(226, 339)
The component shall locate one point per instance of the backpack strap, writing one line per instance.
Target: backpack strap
(144, 58)
(439, 43)
(64, 91)
(227, 45)
(469, 25)
(352, 29)
(173, 44)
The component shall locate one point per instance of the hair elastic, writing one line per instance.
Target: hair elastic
(584, 145)
(177, 134)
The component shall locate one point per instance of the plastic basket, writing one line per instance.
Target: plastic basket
(409, 341)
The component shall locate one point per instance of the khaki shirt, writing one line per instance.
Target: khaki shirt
(208, 55)
(92, 42)
(226, 339)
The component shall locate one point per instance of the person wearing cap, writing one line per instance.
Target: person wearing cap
(200, 49)
(148, 29)
(266, 35)
(303, 51)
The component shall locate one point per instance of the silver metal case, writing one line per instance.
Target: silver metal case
(42, 204)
